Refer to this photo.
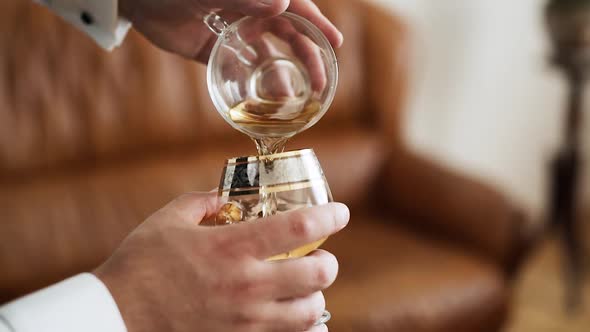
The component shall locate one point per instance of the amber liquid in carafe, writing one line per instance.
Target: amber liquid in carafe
(272, 122)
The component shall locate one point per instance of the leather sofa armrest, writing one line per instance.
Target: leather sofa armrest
(456, 207)
(444, 201)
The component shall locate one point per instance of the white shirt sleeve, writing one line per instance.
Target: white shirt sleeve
(98, 18)
(80, 303)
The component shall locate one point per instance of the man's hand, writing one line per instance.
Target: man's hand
(171, 274)
(177, 26)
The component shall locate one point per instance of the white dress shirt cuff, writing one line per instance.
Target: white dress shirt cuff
(80, 303)
(98, 18)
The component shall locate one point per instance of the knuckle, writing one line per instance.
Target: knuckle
(312, 311)
(247, 282)
(310, 317)
(302, 225)
(323, 276)
(324, 270)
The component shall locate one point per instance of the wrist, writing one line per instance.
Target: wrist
(114, 281)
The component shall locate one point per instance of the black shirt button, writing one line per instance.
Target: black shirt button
(86, 18)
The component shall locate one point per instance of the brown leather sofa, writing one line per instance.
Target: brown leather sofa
(91, 143)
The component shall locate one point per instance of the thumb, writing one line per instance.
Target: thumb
(194, 207)
(249, 7)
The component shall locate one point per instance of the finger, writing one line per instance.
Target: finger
(260, 8)
(276, 84)
(310, 11)
(319, 328)
(305, 49)
(204, 52)
(299, 314)
(300, 45)
(277, 81)
(194, 207)
(303, 276)
(289, 230)
(312, 59)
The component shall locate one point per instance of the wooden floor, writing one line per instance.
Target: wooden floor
(539, 296)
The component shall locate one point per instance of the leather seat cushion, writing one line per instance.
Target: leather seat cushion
(392, 279)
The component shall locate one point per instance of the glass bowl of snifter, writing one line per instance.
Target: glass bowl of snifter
(271, 78)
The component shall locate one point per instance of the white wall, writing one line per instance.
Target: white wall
(484, 99)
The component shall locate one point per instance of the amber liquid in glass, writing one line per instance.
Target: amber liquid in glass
(270, 124)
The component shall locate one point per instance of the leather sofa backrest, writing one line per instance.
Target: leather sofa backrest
(65, 102)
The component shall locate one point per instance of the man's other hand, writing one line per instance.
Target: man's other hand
(177, 25)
